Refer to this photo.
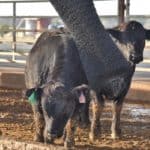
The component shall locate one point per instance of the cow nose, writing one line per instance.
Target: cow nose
(141, 59)
(136, 59)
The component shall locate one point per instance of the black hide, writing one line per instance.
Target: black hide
(54, 67)
(99, 55)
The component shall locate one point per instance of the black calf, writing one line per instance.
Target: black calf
(53, 70)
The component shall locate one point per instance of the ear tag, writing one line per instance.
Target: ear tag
(33, 98)
(82, 99)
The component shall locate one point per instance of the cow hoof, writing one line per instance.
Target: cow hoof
(69, 145)
(116, 135)
(95, 133)
(91, 137)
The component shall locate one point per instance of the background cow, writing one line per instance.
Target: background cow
(131, 41)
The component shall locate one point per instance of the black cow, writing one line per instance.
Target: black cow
(54, 78)
(131, 42)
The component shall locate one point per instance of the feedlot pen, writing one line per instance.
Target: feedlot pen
(16, 119)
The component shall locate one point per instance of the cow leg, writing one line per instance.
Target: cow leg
(97, 108)
(115, 127)
(39, 123)
(69, 134)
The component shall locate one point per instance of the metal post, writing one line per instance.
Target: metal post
(14, 31)
(127, 10)
(121, 8)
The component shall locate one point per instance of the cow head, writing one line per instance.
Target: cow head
(136, 37)
(58, 105)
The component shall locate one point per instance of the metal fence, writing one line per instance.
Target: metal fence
(18, 41)
(13, 38)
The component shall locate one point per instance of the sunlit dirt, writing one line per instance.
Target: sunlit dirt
(16, 122)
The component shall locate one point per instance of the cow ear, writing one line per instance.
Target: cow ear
(147, 33)
(34, 95)
(79, 94)
(82, 98)
(29, 92)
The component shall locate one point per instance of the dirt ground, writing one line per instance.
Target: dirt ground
(16, 122)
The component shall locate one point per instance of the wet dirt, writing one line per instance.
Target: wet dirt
(16, 122)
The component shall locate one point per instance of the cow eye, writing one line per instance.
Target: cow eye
(78, 92)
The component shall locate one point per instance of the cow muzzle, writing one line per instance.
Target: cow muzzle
(136, 58)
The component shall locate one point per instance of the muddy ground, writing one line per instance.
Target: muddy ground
(16, 122)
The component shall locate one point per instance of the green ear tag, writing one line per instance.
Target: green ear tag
(33, 98)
